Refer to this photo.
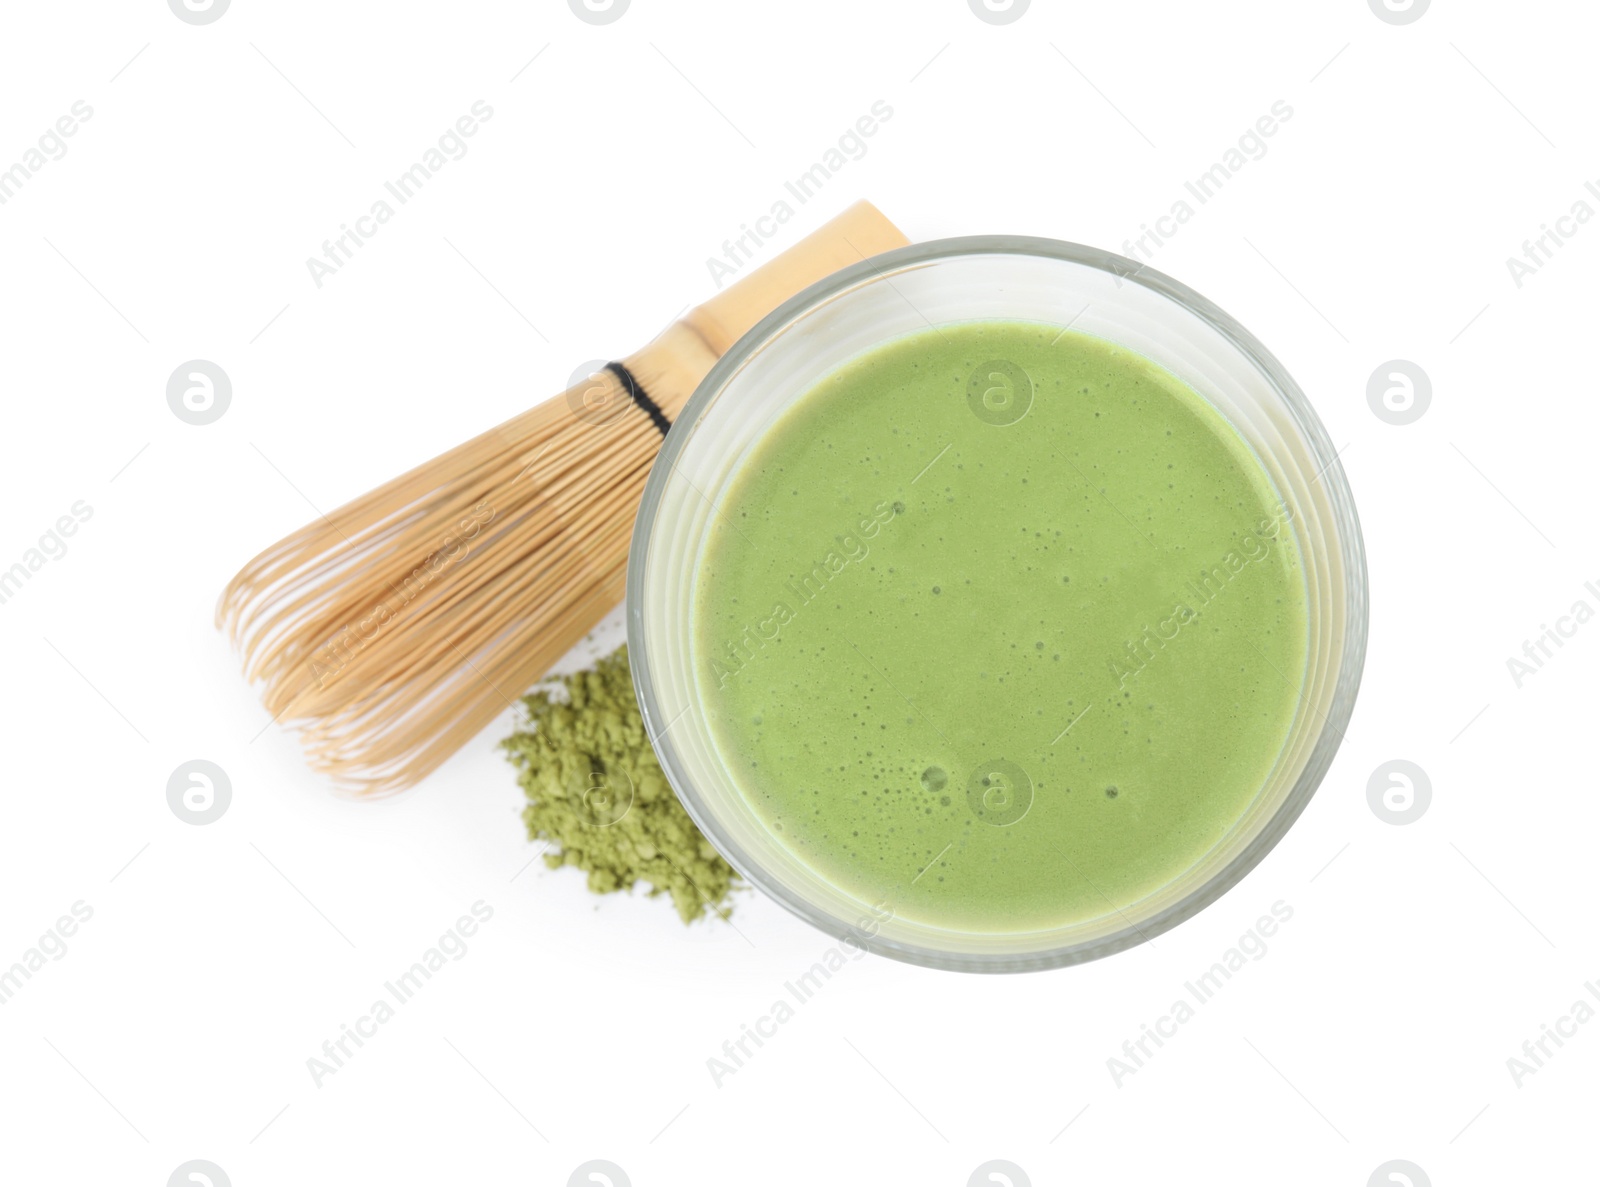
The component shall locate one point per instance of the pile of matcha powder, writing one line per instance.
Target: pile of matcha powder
(598, 797)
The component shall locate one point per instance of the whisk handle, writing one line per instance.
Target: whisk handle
(856, 233)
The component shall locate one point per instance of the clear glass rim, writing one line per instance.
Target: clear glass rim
(1314, 436)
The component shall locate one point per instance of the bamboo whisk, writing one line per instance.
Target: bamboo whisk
(392, 630)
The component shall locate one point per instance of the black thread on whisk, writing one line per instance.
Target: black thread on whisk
(636, 391)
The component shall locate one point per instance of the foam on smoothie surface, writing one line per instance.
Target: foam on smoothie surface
(1003, 674)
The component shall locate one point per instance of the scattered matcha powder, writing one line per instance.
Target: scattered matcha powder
(597, 794)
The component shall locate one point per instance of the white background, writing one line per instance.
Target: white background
(220, 958)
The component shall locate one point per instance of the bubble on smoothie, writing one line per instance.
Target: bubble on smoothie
(934, 779)
(1111, 792)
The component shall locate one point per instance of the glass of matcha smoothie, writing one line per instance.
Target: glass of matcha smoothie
(996, 604)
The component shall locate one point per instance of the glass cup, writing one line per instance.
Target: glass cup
(987, 278)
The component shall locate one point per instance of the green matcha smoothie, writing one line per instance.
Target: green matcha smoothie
(1000, 625)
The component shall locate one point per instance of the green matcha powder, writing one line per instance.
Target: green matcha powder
(598, 797)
